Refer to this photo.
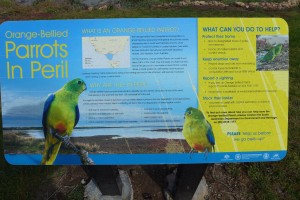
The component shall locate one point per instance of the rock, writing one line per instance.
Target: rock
(284, 5)
(273, 6)
(240, 4)
(167, 195)
(214, 3)
(125, 185)
(118, 6)
(83, 181)
(197, 3)
(94, 3)
(222, 4)
(182, 3)
(91, 191)
(202, 190)
(202, 2)
(171, 4)
(171, 181)
(253, 4)
(103, 7)
(294, 2)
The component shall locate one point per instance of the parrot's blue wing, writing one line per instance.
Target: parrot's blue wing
(77, 115)
(47, 105)
(210, 136)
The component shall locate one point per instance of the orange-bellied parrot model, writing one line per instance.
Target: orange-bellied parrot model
(60, 116)
(198, 132)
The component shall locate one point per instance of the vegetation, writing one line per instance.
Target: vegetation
(280, 180)
(248, 1)
(22, 143)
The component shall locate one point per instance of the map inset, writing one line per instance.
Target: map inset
(106, 52)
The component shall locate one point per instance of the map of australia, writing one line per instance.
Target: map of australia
(106, 52)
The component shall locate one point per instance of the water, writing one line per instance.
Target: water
(117, 132)
(261, 54)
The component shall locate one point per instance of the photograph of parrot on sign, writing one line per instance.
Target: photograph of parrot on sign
(144, 91)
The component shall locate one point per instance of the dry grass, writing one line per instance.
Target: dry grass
(91, 148)
(20, 142)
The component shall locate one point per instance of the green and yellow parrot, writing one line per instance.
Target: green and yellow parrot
(60, 116)
(198, 132)
(272, 53)
(278, 49)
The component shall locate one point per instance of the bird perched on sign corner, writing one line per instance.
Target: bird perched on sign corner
(198, 132)
(60, 116)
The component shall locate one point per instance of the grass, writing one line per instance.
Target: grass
(280, 180)
(77, 193)
(23, 143)
(91, 148)
(17, 142)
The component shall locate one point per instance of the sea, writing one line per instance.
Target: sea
(120, 132)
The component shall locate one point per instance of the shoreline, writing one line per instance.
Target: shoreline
(102, 144)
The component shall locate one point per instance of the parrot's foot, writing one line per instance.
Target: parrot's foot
(66, 141)
(84, 157)
(206, 153)
(191, 152)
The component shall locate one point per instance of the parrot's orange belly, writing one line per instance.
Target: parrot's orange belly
(60, 128)
(199, 147)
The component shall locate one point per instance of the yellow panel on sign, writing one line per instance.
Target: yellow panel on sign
(243, 82)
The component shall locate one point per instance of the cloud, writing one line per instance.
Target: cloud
(34, 110)
(18, 104)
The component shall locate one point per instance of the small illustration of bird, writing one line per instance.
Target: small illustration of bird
(198, 132)
(272, 53)
(60, 116)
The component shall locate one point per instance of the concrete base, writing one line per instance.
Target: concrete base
(92, 191)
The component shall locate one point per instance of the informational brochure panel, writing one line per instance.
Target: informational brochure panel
(144, 91)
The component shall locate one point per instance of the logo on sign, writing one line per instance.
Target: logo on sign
(266, 156)
(238, 156)
(276, 156)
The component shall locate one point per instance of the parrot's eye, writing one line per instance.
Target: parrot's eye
(79, 82)
(189, 112)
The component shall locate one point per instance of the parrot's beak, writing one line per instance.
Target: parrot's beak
(85, 88)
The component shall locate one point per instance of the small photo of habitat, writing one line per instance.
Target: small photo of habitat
(272, 52)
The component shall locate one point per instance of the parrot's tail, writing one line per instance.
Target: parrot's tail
(52, 146)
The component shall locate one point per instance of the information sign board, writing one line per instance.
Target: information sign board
(145, 91)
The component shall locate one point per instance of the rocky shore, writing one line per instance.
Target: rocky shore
(119, 4)
(251, 5)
